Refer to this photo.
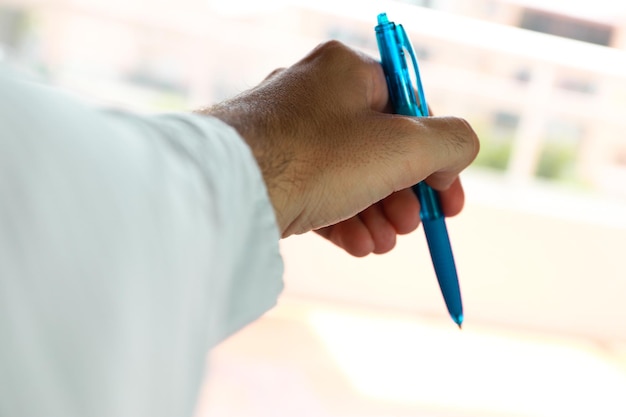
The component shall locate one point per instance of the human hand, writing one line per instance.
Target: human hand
(333, 158)
(374, 230)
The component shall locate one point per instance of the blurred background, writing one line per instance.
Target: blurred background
(540, 247)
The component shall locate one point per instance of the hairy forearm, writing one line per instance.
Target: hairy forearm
(261, 122)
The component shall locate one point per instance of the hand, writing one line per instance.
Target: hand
(335, 160)
(374, 230)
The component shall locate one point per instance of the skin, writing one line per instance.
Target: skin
(333, 157)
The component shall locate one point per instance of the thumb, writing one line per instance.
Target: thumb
(435, 149)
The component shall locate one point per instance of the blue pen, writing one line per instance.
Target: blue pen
(393, 44)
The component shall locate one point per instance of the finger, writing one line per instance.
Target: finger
(452, 199)
(382, 231)
(402, 211)
(436, 148)
(460, 147)
(351, 235)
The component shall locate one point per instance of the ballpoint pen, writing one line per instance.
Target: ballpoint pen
(394, 44)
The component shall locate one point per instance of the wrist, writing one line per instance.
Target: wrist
(273, 161)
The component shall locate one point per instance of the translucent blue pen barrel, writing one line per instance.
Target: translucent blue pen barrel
(392, 58)
(393, 45)
(436, 232)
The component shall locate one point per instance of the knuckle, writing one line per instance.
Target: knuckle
(332, 45)
(274, 73)
(332, 50)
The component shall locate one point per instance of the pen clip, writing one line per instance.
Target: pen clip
(405, 43)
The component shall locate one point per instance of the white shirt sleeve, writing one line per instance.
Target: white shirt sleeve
(129, 246)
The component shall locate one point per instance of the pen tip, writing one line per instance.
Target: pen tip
(458, 319)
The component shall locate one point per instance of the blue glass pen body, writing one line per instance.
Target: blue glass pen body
(393, 46)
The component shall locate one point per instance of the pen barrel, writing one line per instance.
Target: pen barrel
(429, 202)
(394, 63)
(440, 249)
(443, 262)
(394, 47)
